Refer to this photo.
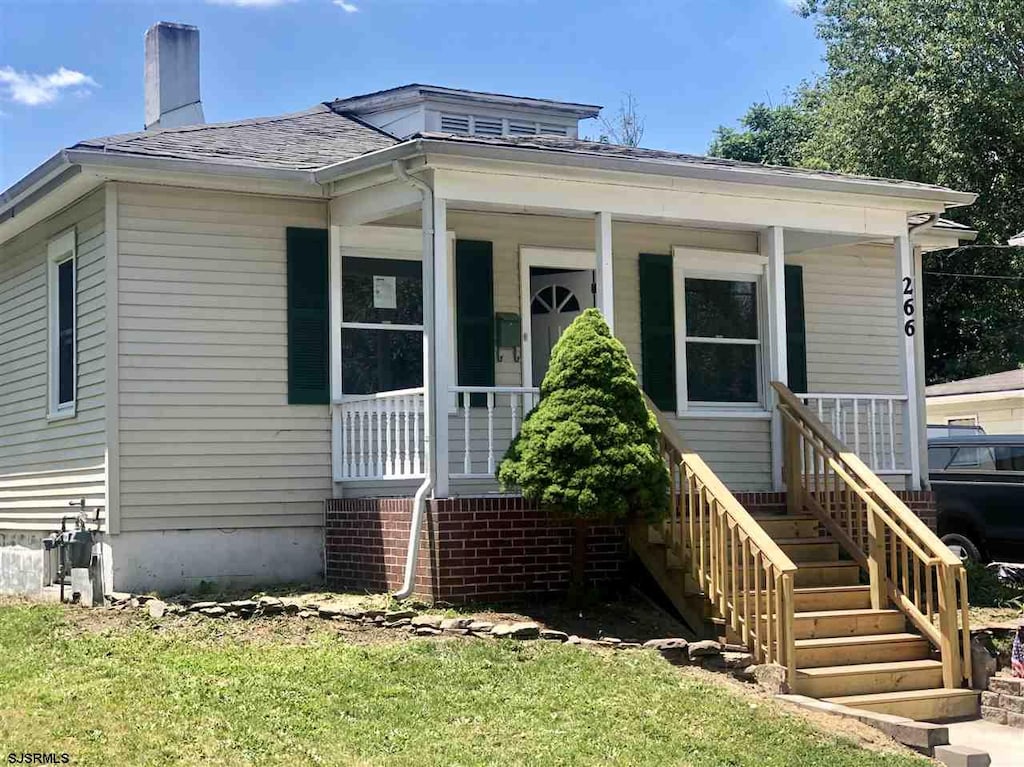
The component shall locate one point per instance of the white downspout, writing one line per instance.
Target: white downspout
(932, 220)
(419, 504)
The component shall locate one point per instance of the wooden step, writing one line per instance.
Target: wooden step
(839, 623)
(809, 549)
(868, 648)
(924, 705)
(832, 598)
(842, 573)
(789, 526)
(869, 678)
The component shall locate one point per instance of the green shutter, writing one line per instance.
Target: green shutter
(657, 330)
(308, 317)
(474, 315)
(796, 334)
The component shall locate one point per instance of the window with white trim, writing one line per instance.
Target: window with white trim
(721, 322)
(62, 342)
(723, 343)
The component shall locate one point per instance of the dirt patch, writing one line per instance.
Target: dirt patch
(995, 617)
(276, 630)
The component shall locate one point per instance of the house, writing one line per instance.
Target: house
(994, 402)
(273, 347)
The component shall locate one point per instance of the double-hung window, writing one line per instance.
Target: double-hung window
(382, 325)
(62, 342)
(721, 350)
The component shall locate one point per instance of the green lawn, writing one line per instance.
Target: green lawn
(118, 692)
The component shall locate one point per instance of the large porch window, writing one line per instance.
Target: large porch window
(382, 325)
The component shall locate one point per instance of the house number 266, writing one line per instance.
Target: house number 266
(908, 305)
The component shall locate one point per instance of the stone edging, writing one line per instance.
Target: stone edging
(705, 653)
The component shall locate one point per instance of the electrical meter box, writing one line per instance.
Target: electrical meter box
(508, 334)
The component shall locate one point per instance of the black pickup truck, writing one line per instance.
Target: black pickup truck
(979, 489)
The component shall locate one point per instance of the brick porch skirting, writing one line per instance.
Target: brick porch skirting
(471, 549)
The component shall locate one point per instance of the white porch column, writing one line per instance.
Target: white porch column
(772, 242)
(442, 347)
(909, 326)
(334, 270)
(604, 279)
(922, 427)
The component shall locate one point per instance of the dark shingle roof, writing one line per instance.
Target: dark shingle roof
(601, 149)
(300, 141)
(1009, 380)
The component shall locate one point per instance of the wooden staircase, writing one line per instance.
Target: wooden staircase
(873, 619)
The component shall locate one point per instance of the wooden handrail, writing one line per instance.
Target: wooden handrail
(741, 570)
(867, 477)
(733, 507)
(905, 560)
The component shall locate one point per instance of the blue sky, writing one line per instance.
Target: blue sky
(73, 70)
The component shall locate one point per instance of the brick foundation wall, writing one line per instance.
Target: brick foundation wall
(471, 549)
(365, 542)
(922, 503)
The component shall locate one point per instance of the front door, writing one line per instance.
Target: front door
(557, 297)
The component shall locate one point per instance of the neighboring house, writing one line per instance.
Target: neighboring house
(994, 402)
(269, 348)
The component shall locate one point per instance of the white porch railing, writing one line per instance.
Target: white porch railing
(486, 431)
(380, 436)
(874, 425)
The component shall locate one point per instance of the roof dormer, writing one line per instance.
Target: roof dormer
(412, 109)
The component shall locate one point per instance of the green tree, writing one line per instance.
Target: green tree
(984, 327)
(772, 135)
(589, 449)
(932, 91)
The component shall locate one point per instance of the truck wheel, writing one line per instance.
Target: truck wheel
(962, 546)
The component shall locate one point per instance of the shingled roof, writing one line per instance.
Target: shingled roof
(1009, 380)
(601, 149)
(305, 140)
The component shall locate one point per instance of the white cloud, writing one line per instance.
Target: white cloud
(33, 90)
(346, 7)
(251, 3)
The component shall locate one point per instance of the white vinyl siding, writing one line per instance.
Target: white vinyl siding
(995, 416)
(851, 312)
(207, 437)
(45, 465)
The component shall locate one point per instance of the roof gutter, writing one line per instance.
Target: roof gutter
(68, 163)
(102, 159)
(36, 185)
(558, 158)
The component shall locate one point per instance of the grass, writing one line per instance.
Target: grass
(119, 692)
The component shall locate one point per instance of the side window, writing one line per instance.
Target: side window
(974, 458)
(1010, 458)
(62, 343)
(939, 457)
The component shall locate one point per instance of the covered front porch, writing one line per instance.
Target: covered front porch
(450, 286)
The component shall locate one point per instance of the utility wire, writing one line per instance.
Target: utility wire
(979, 276)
